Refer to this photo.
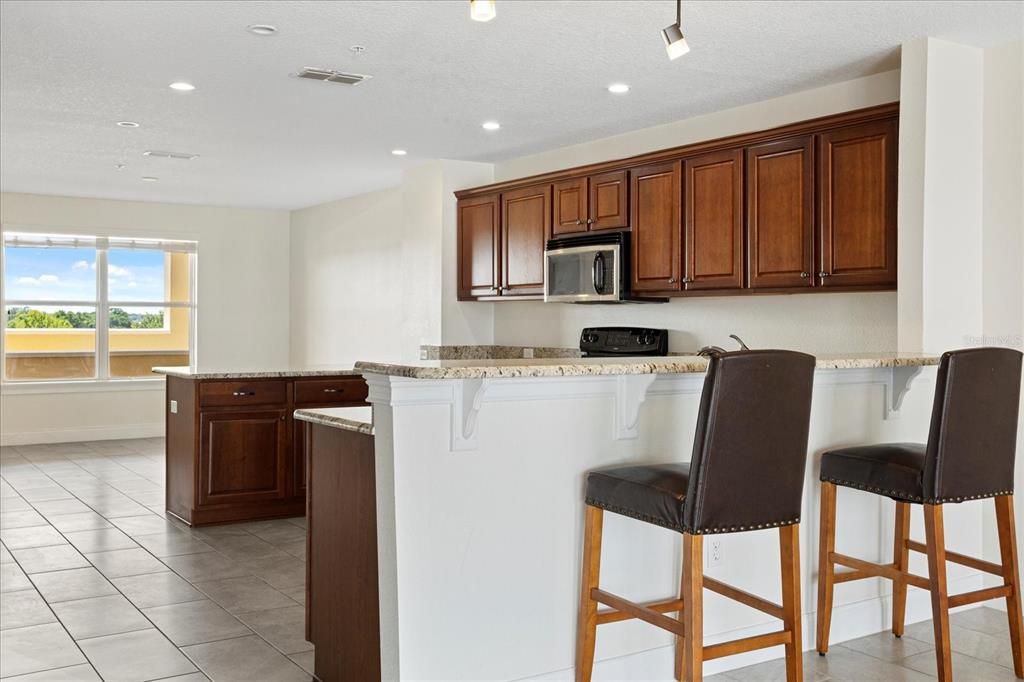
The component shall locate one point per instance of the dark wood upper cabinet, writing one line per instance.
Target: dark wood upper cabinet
(598, 202)
(570, 204)
(857, 169)
(478, 245)
(242, 456)
(609, 201)
(526, 227)
(780, 214)
(713, 220)
(657, 237)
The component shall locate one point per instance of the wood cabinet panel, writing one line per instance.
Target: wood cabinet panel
(242, 456)
(713, 210)
(657, 234)
(609, 201)
(857, 169)
(526, 227)
(478, 236)
(242, 393)
(780, 218)
(325, 392)
(570, 206)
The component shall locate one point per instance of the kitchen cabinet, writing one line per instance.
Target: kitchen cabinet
(780, 214)
(478, 234)
(857, 168)
(596, 202)
(657, 238)
(233, 450)
(713, 220)
(525, 229)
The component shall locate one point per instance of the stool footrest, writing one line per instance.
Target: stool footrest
(615, 615)
(980, 595)
(870, 570)
(738, 646)
(962, 559)
(745, 598)
(644, 613)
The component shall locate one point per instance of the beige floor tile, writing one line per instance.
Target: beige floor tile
(12, 578)
(101, 540)
(157, 589)
(248, 593)
(305, 660)
(53, 558)
(35, 648)
(243, 660)
(205, 566)
(23, 608)
(87, 520)
(124, 562)
(21, 519)
(172, 543)
(140, 655)
(59, 507)
(196, 622)
(964, 668)
(146, 524)
(77, 583)
(74, 673)
(44, 494)
(279, 571)
(99, 616)
(35, 536)
(284, 628)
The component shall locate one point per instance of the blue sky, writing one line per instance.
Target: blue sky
(70, 274)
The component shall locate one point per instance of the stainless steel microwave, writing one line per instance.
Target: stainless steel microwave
(590, 268)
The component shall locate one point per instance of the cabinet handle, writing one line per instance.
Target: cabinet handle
(805, 275)
(671, 280)
(330, 390)
(824, 274)
(590, 221)
(241, 394)
(686, 280)
(579, 222)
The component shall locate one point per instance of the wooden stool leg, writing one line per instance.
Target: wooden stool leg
(936, 542)
(900, 557)
(789, 552)
(586, 623)
(680, 641)
(693, 613)
(826, 569)
(1011, 576)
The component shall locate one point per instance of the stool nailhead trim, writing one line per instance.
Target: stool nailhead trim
(682, 529)
(902, 495)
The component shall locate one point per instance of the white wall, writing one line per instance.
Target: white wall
(814, 323)
(241, 318)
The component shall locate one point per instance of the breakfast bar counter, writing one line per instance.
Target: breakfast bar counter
(477, 508)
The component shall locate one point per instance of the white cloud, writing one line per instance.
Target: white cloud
(36, 281)
(118, 271)
(48, 279)
(31, 281)
(82, 265)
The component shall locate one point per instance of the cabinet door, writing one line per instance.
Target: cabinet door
(570, 205)
(298, 465)
(713, 210)
(478, 230)
(609, 206)
(242, 456)
(657, 231)
(780, 219)
(526, 226)
(857, 204)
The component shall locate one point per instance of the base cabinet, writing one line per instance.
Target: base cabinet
(234, 451)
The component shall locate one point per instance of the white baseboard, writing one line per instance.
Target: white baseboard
(85, 433)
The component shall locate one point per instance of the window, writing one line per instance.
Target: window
(95, 308)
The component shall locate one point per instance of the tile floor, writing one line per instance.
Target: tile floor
(96, 583)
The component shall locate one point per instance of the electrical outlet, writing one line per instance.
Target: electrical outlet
(174, 407)
(713, 551)
(528, 353)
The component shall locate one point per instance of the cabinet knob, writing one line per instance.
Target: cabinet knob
(590, 221)
(686, 280)
(330, 390)
(824, 274)
(805, 275)
(672, 280)
(579, 222)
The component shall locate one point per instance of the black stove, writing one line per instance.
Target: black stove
(610, 342)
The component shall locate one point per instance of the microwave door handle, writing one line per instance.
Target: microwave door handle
(598, 273)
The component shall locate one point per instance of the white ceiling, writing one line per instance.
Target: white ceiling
(70, 70)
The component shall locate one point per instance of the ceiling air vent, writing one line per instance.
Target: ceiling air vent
(333, 76)
(169, 155)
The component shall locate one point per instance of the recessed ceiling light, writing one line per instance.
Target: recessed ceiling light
(120, 166)
(618, 88)
(182, 86)
(261, 29)
(149, 178)
(491, 125)
(128, 124)
(399, 152)
(482, 10)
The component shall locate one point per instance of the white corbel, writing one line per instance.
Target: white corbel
(468, 396)
(630, 393)
(897, 386)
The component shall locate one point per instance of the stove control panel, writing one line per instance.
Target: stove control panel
(624, 341)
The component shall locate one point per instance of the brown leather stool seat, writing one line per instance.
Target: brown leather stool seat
(653, 493)
(895, 470)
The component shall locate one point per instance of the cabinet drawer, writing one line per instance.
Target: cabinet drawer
(241, 393)
(320, 391)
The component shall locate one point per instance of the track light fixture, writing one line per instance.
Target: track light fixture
(482, 10)
(675, 43)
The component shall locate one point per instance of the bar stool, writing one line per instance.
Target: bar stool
(746, 473)
(969, 456)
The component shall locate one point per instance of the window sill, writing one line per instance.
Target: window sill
(106, 386)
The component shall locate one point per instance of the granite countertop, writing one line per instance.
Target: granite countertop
(554, 367)
(186, 373)
(358, 419)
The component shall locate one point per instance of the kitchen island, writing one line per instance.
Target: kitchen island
(233, 452)
(477, 509)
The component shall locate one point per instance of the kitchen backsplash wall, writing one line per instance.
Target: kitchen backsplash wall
(821, 323)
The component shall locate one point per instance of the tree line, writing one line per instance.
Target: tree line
(27, 318)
